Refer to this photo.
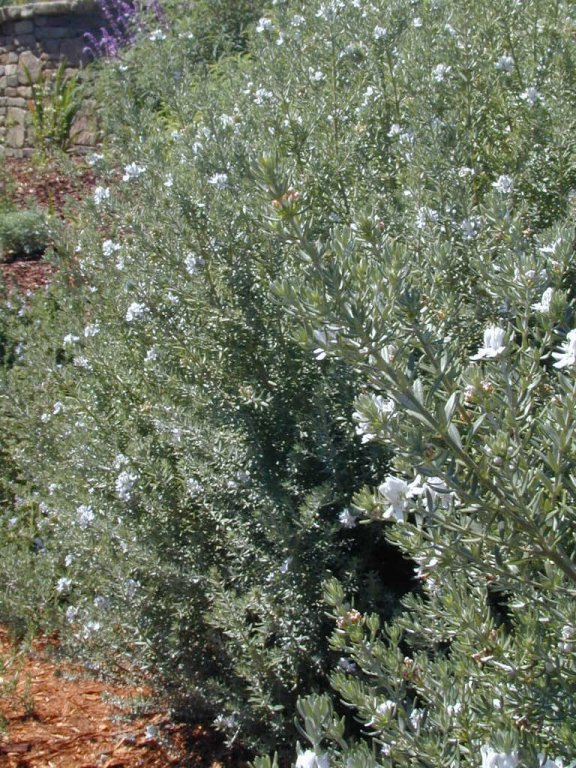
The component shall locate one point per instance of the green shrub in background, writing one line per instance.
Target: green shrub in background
(334, 282)
(24, 234)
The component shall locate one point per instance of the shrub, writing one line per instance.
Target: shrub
(24, 234)
(269, 335)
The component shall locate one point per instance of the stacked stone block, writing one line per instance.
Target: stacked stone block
(36, 38)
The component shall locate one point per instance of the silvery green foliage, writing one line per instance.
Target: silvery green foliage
(456, 310)
(387, 184)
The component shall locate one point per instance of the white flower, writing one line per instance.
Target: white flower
(219, 180)
(70, 339)
(151, 355)
(543, 305)
(124, 485)
(264, 25)
(169, 181)
(92, 330)
(548, 763)
(494, 346)
(85, 516)
(425, 215)
(438, 491)
(63, 585)
(310, 759)
(397, 493)
(297, 20)
(134, 311)
(71, 613)
(493, 759)
(379, 33)
(347, 518)
(530, 96)
(132, 171)
(58, 408)
(109, 247)
(440, 71)
(505, 64)
(192, 263)
(567, 354)
(316, 75)
(194, 487)
(156, 34)
(101, 194)
(504, 185)
(417, 22)
(364, 428)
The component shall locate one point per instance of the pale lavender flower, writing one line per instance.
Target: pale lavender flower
(531, 96)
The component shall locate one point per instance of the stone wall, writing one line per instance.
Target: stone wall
(37, 37)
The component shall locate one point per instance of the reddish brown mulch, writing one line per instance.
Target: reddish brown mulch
(59, 718)
(52, 186)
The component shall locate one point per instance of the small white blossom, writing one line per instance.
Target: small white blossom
(101, 194)
(264, 25)
(132, 171)
(297, 20)
(505, 64)
(316, 75)
(151, 355)
(493, 759)
(156, 34)
(494, 346)
(194, 487)
(81, 361)
(425, 215)
(364, 429)
(454, 709)
(125, 484)
(347, 519)
(71, 613)
(417, 22)
(440, 71)
(70, 339)
(135, 310)
(543, 305)
(109, 247)
(504, 184)
(85, 516)
(63, 585)
(380, 33)
(58, 408)
(310, 759)
(567, 354)
(93, 329)
(397, 493)
(530, 96)
(219, 180)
